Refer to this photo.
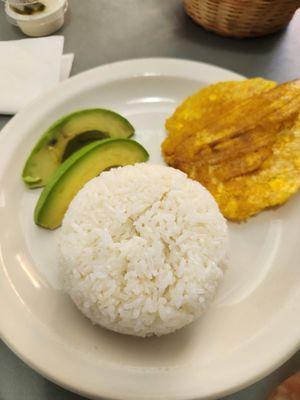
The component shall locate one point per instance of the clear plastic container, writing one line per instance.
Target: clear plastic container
(41, 23)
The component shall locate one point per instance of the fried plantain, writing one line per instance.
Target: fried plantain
(206, 106)
(242, 141)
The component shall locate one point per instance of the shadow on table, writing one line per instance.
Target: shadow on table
(53, 391)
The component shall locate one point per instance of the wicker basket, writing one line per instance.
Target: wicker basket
(242, 18)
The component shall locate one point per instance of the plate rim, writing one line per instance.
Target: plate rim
(70, 87)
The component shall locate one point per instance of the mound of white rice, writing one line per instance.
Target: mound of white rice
(142, 249)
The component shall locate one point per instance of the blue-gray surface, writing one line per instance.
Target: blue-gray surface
(102, 31)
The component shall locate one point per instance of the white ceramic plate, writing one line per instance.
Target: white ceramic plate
(254, 323)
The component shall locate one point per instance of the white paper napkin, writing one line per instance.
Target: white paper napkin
(29, 67)
(66, 66)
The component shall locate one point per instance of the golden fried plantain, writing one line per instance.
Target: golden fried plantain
(207, 105)
(247, 151)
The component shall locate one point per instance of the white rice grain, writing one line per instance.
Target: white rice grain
(142, 249)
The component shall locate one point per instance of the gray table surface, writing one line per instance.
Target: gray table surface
(103, 31)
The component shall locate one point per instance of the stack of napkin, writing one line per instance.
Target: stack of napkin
(30, 67)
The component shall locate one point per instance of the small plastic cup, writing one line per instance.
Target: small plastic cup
(39, 24)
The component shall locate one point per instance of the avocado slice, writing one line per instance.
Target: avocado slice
(78, 169)
(67, 135)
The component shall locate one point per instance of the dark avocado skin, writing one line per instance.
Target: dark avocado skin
(68, 134)
(78, 169)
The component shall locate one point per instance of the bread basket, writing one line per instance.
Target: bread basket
(242, 18)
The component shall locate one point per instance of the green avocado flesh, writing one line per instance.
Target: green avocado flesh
(78, 169)
(66, 136)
